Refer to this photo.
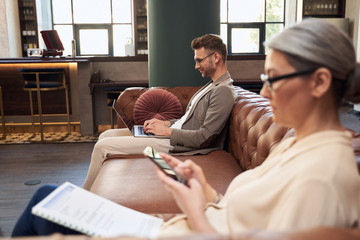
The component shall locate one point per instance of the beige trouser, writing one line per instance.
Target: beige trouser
(120, 141)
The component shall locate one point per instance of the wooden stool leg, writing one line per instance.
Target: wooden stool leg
(2, 114)
(32, 112)
(67, 109)
(39, 107)
(40, 116)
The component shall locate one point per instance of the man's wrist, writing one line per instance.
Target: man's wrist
(168, 123)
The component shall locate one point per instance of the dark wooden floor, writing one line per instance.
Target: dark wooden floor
(48, 163)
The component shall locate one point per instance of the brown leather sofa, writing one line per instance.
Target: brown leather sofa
(130, 180)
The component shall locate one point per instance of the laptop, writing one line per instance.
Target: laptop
(53, 43)
(136, 130)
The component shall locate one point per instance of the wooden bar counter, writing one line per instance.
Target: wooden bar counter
(88, 101)
(78, 74)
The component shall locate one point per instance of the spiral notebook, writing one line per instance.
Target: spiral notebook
(86, 212)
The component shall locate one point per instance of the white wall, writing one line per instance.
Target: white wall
(352, 12)
(122, 71)
(4, 41)
(290, 12)
(10, 29)
(44, 21)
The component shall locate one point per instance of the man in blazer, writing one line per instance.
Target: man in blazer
(200, 130)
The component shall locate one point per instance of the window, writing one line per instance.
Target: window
(102, 28)
(245, 25)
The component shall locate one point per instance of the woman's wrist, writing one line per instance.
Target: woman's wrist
(218, 198)
(212, 195)
(200, 223)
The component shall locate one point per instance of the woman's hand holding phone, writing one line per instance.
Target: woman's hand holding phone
(181, 171)
(163, 165)
(188, 169)
(191, 198)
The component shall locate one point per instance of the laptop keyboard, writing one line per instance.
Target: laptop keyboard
(144, 133)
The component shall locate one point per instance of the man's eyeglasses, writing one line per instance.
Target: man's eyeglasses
(269, 81)
(202, 59)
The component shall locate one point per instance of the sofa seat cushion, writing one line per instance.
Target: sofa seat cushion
(132, 182)
(157, 103)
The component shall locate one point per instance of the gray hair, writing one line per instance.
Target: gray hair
(317, 43)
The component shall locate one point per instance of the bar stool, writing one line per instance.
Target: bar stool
(2, 115)
(112, 93)
(41, 80)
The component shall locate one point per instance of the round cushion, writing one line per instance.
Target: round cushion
(156, 103)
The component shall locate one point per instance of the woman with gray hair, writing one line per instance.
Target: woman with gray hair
(308, 180)
(316, 43)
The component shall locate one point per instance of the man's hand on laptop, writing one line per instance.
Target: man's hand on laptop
(157, 127)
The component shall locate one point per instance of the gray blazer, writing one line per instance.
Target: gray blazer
(205, 128)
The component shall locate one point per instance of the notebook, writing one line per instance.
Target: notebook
(91, 214)
(136, 130)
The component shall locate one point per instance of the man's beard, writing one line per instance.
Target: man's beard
(208, 71)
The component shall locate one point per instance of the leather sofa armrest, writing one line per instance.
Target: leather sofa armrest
(127, 101)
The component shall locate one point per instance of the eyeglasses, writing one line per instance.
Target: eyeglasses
(269, 81)
(199, 61)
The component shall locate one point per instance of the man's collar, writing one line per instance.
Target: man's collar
(222, 78)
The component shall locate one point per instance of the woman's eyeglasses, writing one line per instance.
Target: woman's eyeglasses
(269, 81)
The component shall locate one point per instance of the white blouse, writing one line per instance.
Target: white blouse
(301, 184)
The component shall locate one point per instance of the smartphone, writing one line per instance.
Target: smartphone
(154, 156)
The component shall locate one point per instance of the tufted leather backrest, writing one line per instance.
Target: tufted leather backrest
(252, 133)
(184, 94)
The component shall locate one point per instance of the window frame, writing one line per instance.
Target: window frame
(257, 25)
(107, 26)
(229, 25)
(260, 25)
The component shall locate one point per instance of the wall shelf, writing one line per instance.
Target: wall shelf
(140, 21)
(324, 8)
(28, 25)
